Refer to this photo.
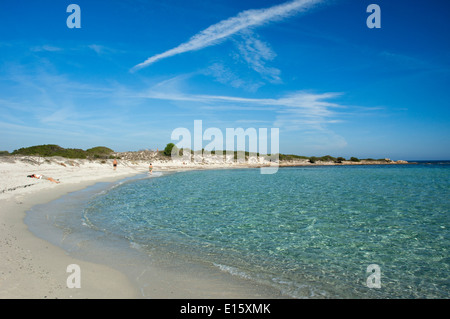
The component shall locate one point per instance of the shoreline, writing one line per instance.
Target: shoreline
(155, 275)
(32, 267)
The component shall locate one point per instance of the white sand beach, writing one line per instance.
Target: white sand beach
(31, 267)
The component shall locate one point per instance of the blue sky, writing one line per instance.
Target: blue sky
(136, 70)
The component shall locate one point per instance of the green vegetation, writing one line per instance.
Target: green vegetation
(313, 159)
(56, 150)
(102, 152)
(328, 158)
(168, 149)
(282, 157)
(291, 157)
(99, 152)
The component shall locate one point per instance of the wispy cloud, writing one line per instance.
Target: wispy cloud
(97, 48)
(301, 111)
(46, 48)
(226, 28)
(225, 75)
(256, 53)
(102, 49)
(295, 109)
(407, 61)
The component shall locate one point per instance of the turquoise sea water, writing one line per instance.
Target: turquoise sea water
(306, 231)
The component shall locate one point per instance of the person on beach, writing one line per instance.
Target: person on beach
(150, 168)
(115, 164)
(44, 177)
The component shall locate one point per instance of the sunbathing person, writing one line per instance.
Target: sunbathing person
(44, 177)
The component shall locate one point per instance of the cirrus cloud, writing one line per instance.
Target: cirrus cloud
(220, 31)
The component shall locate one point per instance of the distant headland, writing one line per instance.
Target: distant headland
(199, 157)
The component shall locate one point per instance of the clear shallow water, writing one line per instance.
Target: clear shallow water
(307, 231)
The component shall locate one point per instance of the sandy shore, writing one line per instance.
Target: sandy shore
(31, 267)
